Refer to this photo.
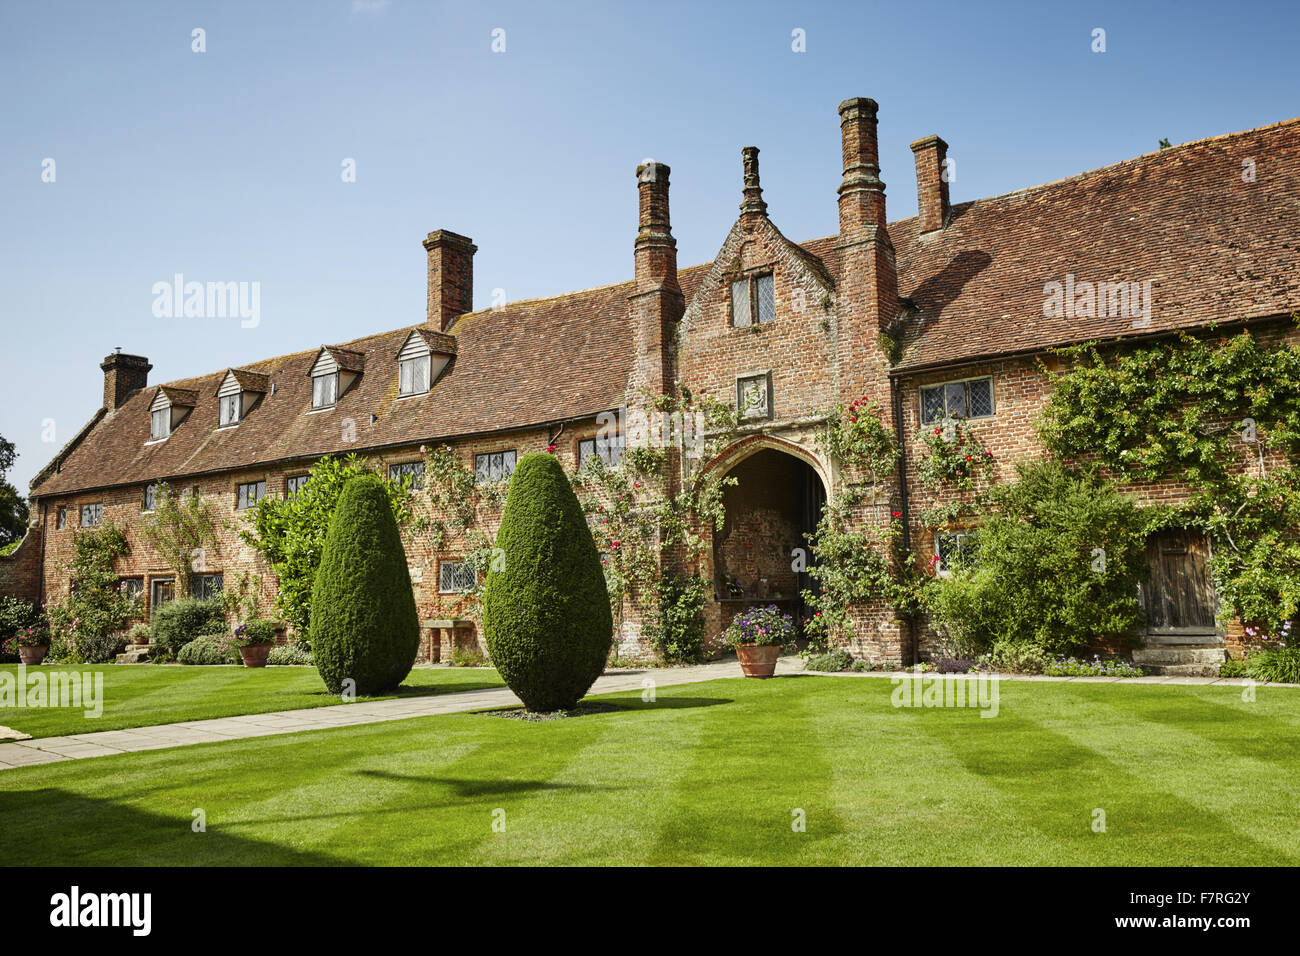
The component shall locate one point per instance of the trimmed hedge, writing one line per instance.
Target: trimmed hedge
(176, 623)
(546, 614)
(208, 649)
(289, 654)
(364, 625)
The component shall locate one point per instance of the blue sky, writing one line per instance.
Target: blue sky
(225, 165)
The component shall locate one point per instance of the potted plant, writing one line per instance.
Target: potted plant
(33, 643)
(757, 635)
(254, 640)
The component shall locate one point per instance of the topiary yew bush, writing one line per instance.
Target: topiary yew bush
(364, 625)
(546, 614)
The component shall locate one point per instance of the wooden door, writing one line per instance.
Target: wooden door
(1179, 597)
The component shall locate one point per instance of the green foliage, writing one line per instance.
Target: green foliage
(1279, 666)
(181, 529)
(285, 654)
(97, 604)
(290, 532)
(546, 613)
(953, 456)
(259, 630)
(17, 613)
(1211, 413)
(761, 626)
(1232, 668)
(1078, 667)
(208, 649)
(364, 625)
(1060, 555)
(859, 440)
(13, 506)
(678, 628)
(833, 662)
(178, 622)
(468, 657)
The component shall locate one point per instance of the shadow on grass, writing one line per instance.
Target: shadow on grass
(486, 788)
(419, 690)
(52, 827)
(670, 703)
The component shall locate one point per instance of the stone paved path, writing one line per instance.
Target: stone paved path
(45, 750)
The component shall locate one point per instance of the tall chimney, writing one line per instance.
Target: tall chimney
(657, 303)
(451, 277)
(123, 375)
(862, 194)
(931, 182)
(753, 204)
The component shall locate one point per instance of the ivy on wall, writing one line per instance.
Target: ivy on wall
(1220, 415)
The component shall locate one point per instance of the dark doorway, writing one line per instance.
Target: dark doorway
(1179, 598)
(761, 554)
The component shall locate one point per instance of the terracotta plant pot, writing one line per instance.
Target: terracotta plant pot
(33, 654)
(254, 655)
(758, 660)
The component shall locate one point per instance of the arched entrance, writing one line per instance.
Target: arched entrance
(760, 554)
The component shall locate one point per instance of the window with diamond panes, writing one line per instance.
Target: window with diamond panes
(455, 577)
(968, 399)
(495, 466)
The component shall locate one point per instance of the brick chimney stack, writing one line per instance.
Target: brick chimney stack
(451, 277)
(862, 194)
(123, 375)
(753, 204)
(931, 182)
(657, 304)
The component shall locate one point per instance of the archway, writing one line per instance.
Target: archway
(760, 555)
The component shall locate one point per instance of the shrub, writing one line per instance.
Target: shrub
(139, 634)
(1277, 666)
(17, 613)
(289, 654)
(760, 625)
(678, 627)
(546, 614)
(98, 648)
(260, 630)
(178, 622)
(468, 657)
(837, 660)
(1057, 562)
(208, 649)
(953, 665)
(1232, 668)
(1013, 659)
(364, 625)
(1077, 667)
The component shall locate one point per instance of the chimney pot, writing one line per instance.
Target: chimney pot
(931, 183)
(451, 277)
(123, 376)
(655, 248)
(862, 193)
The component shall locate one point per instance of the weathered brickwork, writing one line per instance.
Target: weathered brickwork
(877, 311)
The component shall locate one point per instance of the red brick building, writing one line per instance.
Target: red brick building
(788, 328)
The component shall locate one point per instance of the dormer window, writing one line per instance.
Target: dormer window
(421, 360)
(160, 424)
(230, 410)
(324, 390)
(753, 301)
(168, 409)
(332, 374)
(239, 392)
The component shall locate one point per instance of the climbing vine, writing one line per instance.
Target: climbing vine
(182, 529)
(1220, 416)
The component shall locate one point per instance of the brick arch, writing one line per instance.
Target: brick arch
(738, 451)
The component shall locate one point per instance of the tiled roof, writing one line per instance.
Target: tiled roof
(1213, 246)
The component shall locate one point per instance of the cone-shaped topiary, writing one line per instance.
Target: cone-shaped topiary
(546, 615)
(363, 620)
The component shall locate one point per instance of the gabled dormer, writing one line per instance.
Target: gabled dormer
(332, 374)
(170, 407)
(422, 358)
(239, 391)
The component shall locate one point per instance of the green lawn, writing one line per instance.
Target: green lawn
(710, 774)
(145, 694)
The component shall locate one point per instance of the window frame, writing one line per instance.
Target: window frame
(415, 468)
(448, 563)
(752, 299)
(487, 478)
(61, 518)
(154, 603)
(126, 589)
(252, 501)
(236, 404)
(959, 538)
(197, 591)
(301, 479)
(334, 400)
(943, 386)
(148, 506)
(98, 511)
(414, 360)
(165, 419)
